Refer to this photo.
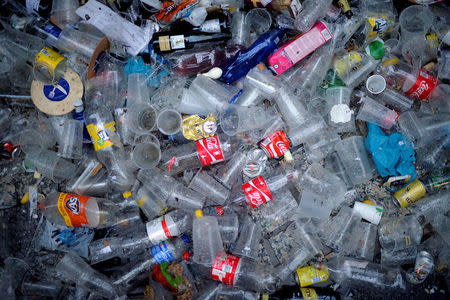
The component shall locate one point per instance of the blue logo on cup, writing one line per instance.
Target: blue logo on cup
(58, 91)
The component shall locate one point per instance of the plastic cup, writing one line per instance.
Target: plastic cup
(138, 91)
(30, 139)
(340, 116)
(259, 20)
(71, 141)
(91, 181)
(146, 153)
(415, 20)
(353, 155)
(375, 84)
(395, 99)
(371, 213)
(248, 240)
(237, 119)
(209, 187)
(63, 12)
(250, 96)
(141, 118)
(169, 121)
(50, 165)
(228, 173)
(239, 35)
(374, 112)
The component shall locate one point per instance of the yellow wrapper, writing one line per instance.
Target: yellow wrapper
(196, 128)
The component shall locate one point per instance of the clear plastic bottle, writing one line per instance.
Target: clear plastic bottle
(134, 272)
(171, 224)
(207, 241)
(204, 152)
(101, 127)
(312, 10)
(79, 211)
(259, 190)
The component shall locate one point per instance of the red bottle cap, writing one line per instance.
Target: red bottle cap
(186, 256)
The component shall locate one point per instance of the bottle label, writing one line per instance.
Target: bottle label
(212, 26)
(309, 294)
(410, 193)
(295, 7)
(310, 275)
(224, 268)
(209, 150)
(99, 135)
(158, 229)
(276, 144)
(423, 86)
(379, 25)
(171, 11)
(257, 191)
(177, 42)
(73, 209)
(53, 30)
(347, 62)
(161, 253)
(291, 53)
(49, 58)
(164, 43)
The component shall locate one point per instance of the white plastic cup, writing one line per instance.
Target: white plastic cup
(371, 213)
(376, 84)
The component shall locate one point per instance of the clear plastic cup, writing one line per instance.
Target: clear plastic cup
(249, 239)
(70, 143)
(340, 116)
(240, 34)
(138, 91)
(141, 118)
(415, 20)
(30, 139)
(146, 151)
(169, 121)
(228, 173)
(375, 84)
(374, 112)
(50, 165)
(63, 12)
(237, 119)
(353, 155)
(259, 20)
(209, 187)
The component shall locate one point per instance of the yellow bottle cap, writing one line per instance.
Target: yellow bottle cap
(390, 62)
(198, 213)
(369, 202)
(126, 194)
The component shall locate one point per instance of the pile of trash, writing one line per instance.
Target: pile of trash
(224, 149)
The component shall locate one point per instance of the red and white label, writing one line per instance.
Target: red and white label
(209, 150)
(257, 191)
(423, 86)
(276, 144)
(224, 268)
(161, 229)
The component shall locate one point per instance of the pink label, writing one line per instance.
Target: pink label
(224, 268)
(294, 51)
(423, 86)
(209, 150)
(257, 191)
(276, 144)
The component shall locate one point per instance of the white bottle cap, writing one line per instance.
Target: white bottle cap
(371, 213)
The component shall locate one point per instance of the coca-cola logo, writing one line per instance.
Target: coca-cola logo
(212, 143)
(255, 198)
(281, 146)
(423, 87)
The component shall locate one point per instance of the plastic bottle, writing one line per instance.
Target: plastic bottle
(171, 224)
(133, 273)
(79, 211)
(78, 114)
(401, 76)
(165, 42)
(259, 190)
(101, 127)
(204, 152)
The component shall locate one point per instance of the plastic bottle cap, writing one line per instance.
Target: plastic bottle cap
(186, 256)
(198, 213)
(371, 202)
(126, 194)
(376, 49)
(390, 62)
(40, 205)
